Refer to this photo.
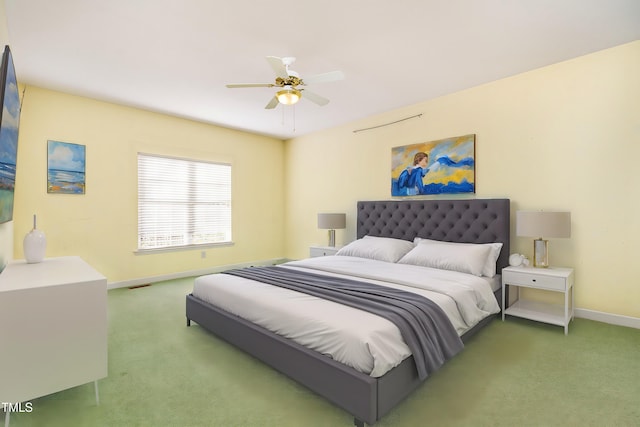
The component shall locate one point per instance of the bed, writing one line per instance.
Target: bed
(367, 397)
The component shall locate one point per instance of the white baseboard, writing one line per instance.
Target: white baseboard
(189, 273)
(614, 319)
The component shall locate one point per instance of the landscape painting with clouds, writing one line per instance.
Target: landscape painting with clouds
(65, 168)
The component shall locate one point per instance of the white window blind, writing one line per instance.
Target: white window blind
(182, 202)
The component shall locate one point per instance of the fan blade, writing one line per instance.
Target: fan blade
(237, 85)
(272, 104)
(315, 98)
(331, 76)
(278, 67)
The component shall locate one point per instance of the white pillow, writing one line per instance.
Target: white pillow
(456, 257)
(489, 268)
(378, 248)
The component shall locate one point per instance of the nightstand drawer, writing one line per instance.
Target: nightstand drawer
(315, 251)
(535, 281)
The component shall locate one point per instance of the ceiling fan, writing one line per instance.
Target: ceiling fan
(289, 82)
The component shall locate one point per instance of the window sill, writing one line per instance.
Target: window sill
(180, 248)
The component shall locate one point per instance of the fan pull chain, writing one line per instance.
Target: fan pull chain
(293, 115)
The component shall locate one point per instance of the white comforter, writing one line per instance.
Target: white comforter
(359, 339)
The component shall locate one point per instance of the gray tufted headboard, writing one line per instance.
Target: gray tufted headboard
(462, 221)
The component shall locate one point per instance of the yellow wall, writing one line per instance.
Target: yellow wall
(101, 226)
(562, 137)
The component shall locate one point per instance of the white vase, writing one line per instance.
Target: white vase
(35, 244)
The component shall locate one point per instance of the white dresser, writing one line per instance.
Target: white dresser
(53, 327)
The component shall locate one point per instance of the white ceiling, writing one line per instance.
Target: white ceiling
(175, 57)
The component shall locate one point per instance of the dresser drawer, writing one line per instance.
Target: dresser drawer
(535, 280)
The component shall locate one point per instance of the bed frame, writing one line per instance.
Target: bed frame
(368, 399)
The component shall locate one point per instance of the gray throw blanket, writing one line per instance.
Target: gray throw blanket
(424, 326)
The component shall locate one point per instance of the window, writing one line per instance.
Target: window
(182, 202)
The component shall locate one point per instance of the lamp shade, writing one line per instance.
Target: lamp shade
(543, 224)
(332, 221)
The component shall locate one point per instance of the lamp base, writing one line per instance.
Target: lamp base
(541, 253)
(332, 238)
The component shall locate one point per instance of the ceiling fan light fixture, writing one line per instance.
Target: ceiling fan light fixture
(288, 96)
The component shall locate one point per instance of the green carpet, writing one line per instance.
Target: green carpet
(513, 373)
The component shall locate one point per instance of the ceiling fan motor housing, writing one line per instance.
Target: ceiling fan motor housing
(291, 81)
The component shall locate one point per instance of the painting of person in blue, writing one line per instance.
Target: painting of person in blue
(410, 180)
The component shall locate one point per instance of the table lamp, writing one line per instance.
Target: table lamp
(542, 224)
(331, 222)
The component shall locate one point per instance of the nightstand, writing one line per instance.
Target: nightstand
(553, 279)
(315, 251)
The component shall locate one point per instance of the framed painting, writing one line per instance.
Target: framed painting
(9, 118)
(445, 166)
(65, 168)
